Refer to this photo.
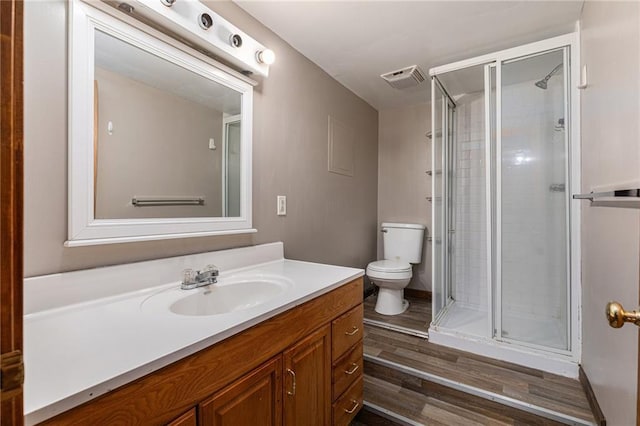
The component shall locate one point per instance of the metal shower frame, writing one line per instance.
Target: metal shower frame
(569, 43)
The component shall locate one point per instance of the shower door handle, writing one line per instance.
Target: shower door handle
(617, 316)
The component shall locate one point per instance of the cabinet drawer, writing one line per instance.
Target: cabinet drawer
(348, 405)
(346, 370)
(346, 331)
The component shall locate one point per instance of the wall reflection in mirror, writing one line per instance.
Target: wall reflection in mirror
(166, 139)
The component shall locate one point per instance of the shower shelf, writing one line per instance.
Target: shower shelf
(613, 198)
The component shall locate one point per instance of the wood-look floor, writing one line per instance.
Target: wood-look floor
(368, 418)
(417, 317)
(431, 404)
(536, 387)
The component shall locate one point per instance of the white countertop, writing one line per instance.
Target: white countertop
(74, 353)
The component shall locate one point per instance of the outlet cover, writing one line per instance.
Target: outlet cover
(281, 208)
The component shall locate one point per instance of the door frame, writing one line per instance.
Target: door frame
(226, 121)
(11, 208)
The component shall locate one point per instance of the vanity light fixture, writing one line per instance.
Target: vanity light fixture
(199, 25)
(266, 56)
(205, 21)
(126, 8)
(235, 40)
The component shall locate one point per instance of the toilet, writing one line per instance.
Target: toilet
(402, 244)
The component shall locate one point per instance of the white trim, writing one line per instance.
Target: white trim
(83, 227)
(119, 240)
(488, 198)
(574, 187)
(563, 365)
(511, 53)
(434, 283)
(397, 328)
(497, 312)
(444, 243)
(567, 193)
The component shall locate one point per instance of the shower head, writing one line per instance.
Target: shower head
(543, 83)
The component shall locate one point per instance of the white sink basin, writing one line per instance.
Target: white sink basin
(229, 295)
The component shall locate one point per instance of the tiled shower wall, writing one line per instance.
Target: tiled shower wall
(469, 281)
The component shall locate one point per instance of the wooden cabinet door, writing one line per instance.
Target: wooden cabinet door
(253, 400)
(187, 419)
(307, 383)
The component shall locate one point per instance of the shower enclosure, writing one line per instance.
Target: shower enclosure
(505, 160)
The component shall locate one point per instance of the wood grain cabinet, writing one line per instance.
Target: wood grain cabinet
(255, 399)
(346, 373)
(302, 367)
(307, 399)
(187, 419)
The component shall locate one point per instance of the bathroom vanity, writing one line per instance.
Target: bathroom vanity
(272, 339)
(293, 358)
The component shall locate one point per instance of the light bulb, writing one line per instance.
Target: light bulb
(266, 56)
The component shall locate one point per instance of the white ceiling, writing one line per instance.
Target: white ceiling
(120, 57)
(356, 41)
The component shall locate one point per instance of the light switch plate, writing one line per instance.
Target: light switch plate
(281, 208)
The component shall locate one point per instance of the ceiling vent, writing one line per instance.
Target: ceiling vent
(406, 77)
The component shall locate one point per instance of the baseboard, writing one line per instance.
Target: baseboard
(591, 397)
(418, 294)
(398, 328)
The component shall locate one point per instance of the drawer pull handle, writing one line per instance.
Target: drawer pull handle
(352, 332)
(292, 392)
(356, 404)
(354, 368)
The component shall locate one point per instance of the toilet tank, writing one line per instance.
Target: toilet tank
(403, 241)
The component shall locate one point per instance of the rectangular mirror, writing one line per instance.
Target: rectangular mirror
(160, 138)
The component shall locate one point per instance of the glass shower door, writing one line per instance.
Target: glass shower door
(532, 211)
(442, 117)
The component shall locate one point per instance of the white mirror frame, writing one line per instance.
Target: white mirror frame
(83, 228)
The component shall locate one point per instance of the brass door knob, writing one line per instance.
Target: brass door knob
(617, 316)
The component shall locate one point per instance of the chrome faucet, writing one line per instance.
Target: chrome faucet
(194, 279)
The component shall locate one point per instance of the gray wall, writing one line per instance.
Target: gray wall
(610, 236)
(159, 148)
(404, 156)
(331, 218)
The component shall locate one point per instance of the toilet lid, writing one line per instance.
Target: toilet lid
(390, 266)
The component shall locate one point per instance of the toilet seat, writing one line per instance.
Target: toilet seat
(389, 269)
